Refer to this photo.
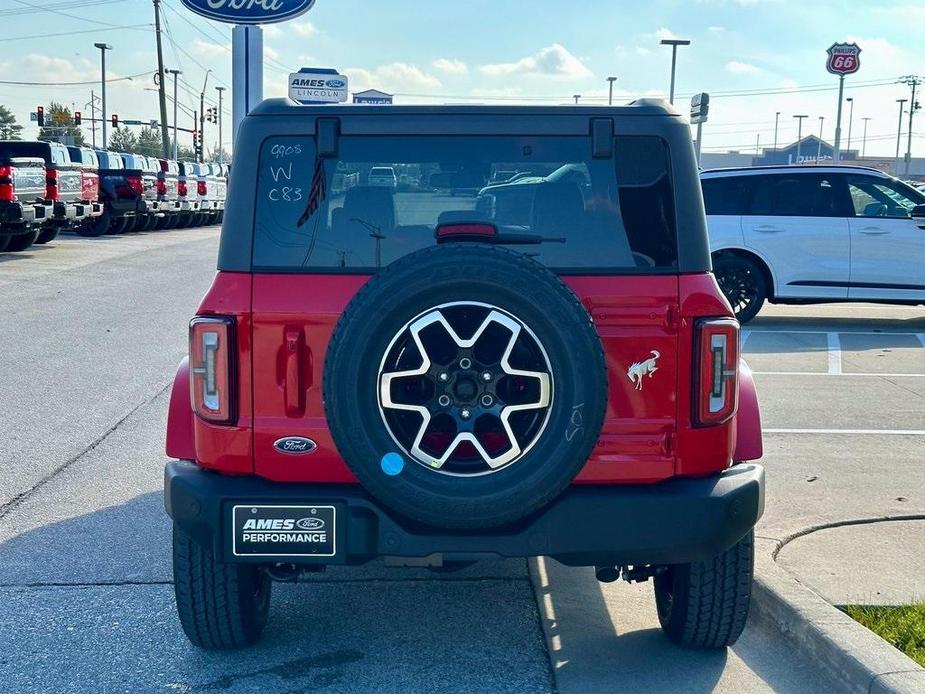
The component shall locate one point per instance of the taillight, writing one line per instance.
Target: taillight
(7, 188)
(51, 184)
(181, 188)
(135, 183)
(211, 352)
(161, 186)
(716, 369)
(200, 187)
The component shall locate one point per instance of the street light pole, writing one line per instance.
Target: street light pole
(175, 73)
(776, 119)
(799, 136)
(202, 117)
(864, 140)
(674, 43)
(610, 94)
(819, 145)
(850, 100)
(576, 97)
(221, 152)
(914, 82)
(103, 48)
(899, 131)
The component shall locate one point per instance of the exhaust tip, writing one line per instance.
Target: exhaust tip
(606, 574)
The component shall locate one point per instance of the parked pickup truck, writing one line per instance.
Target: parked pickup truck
(168, 178)
(188, 190)
(210, 185)
(89, 165)
(63, 185)
(146, 215)
(122, 195)
(23, 208)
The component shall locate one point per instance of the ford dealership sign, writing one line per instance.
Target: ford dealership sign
(249, 11)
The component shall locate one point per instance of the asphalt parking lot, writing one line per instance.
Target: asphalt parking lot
(92, 331)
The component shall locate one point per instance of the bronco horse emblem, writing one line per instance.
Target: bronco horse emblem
(640, 369)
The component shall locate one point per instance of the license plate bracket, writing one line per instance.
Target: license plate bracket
(283, 530)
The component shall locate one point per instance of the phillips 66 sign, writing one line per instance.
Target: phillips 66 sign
(844, 59)
(249, 11)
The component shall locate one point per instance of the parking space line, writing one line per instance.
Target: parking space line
(846, 374)
(743, 338)
(834, 353)
(921, 337)
(878, 432)
(803, 331)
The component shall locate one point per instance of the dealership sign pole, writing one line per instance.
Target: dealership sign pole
(844, 59)
(247, 43)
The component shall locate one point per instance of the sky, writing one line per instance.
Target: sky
(755, 58)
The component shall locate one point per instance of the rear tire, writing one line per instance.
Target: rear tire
(220, 606)
(47, 234)
(120, 225)
(705, 604)
(743, 283)
(4, 242)
(21, 242)
(97, 226)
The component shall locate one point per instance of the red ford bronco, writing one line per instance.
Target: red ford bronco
(519, 349)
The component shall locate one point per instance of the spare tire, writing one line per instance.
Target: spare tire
(465, 386)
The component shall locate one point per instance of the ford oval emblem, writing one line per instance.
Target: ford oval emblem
(249, 11)
(295, 445)
(310, 523)
(335, 84)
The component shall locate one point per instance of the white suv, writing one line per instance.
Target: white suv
(382, 176)
(807, 234)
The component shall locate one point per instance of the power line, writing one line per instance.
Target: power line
(70, 84)
(68, 4)
(71, 33)
(40, 8)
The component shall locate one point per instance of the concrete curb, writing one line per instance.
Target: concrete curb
(855, 657)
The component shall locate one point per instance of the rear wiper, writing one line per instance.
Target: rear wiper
(522, 239)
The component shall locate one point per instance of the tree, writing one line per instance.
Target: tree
(185, 154)
(9, 128)
(59, 126)
(123, 140)
(149, 142)
(221, 157)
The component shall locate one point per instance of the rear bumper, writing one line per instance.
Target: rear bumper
(70, 212)
(674, 522)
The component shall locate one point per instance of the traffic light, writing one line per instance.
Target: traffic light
(40, 115)
(115, 120)
(212, 114)
(76, 117)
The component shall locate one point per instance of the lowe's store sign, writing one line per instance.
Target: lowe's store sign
(249, 11)
(317, 86)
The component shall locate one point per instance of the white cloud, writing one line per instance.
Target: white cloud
(450, 66)
(304, 29)
(716, 29)
(739, 68)
(209, 49)
(663, 34)
(394, 77)
(270, 53)
(552, 61)
(272, 31)
(642, 50)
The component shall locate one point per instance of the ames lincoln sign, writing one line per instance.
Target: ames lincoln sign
(249, 11)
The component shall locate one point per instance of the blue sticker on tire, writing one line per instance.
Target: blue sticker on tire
(392, 464)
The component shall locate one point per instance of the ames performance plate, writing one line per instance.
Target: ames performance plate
(283, 531)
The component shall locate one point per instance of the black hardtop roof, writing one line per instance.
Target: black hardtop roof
(287, 107)
(828, 168)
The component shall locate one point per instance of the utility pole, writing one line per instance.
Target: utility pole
(196, 134)
(799, 135)
(610, 94)
(819, 144)
(202, 117)
(864, 140)
(161, 87)
(850, 100)
(913, 81)
(92, 106)
(776, 119)
(221, 152)
(899, 132)
(175, 73)
(674, 43)
(841, 99)
(103, 48)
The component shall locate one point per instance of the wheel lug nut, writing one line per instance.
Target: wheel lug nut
(444, 377)
(444, 400)
(465, 413)
(486, 376)
(487, 400)
(465, 363)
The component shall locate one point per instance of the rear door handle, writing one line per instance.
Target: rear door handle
(874, 231)
(293, 376)
(769, 229)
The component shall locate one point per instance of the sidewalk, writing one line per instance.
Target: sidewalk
(878, 563)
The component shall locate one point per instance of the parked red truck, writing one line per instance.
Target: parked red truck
(549, 369)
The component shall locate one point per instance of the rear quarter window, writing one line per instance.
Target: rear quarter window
(591, 215)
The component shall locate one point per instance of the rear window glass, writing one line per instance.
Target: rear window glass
(802, 195)
(728, 195)
(383, 197)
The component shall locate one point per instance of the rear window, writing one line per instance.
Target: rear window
(728, 195)
(802, 195)
(604, 215)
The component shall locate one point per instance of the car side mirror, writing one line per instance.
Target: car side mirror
(918, 212)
